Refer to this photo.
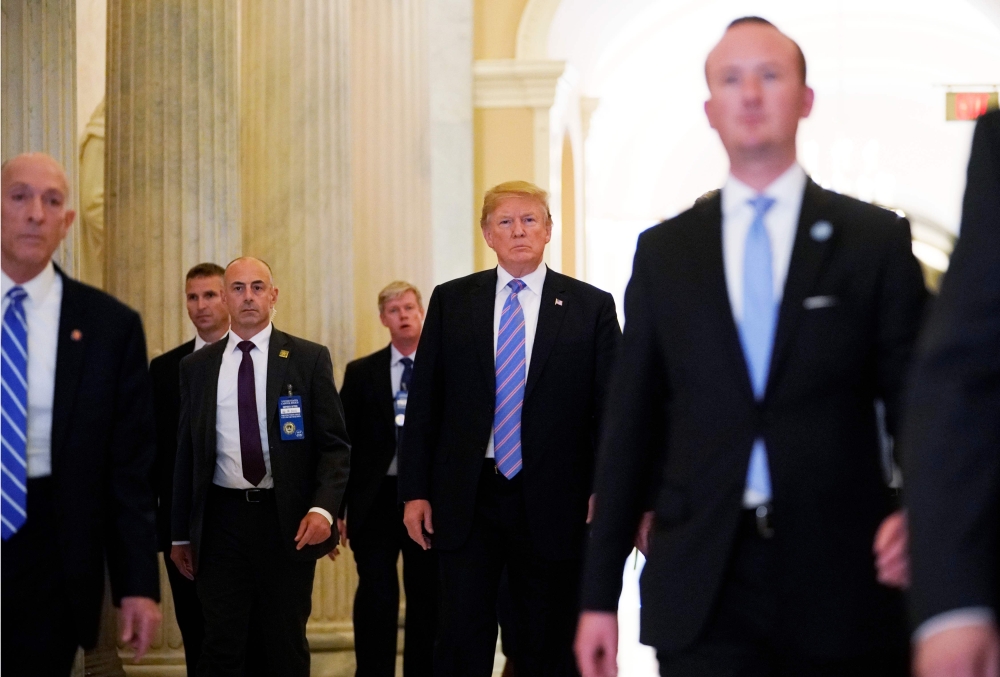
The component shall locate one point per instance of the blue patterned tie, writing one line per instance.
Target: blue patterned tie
(14, 406)
(404, 380)
(510, 363)
(760, 315)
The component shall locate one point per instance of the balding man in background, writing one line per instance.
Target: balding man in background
(764, 325)
(78, 442)
(262, 464)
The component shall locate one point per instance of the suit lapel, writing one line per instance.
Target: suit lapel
(708, 247)
(211, 386)
(383, 387)
(70, 350)
(276, 368)
(808, 257)
(483, 300)
(550, 318)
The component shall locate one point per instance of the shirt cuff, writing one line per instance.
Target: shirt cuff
(956, 618)
(180, 543)
(324, 513)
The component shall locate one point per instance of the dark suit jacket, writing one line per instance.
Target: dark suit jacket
(102, 452)
(449, 414)
(682, 419)
(368, 407)
(165, 371)
(952, 440)
(307, 473)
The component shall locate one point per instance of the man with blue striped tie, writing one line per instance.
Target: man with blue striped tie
(77, 438)
(503, 415)
(766, 325)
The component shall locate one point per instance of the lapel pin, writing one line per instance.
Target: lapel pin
(821, 231)
(75, 335)
(282, 353)
(558, 302)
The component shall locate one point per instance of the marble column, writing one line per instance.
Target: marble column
(390, 116)
(171, 178)
(295, 174)
(39, 90)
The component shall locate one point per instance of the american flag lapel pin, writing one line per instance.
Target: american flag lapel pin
(75, 335)
(558, 302)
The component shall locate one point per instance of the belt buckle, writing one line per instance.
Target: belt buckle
(253, 495)
(763, 514)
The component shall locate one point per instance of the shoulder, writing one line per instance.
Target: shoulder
(104, 307)
(578, 288)
(368, 361)
(462, 285)
(298, 347)
(855, 218)
(171, 357)
(678, 230)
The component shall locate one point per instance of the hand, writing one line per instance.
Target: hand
(417, 519)
(967, 651)
(139, 617)
(333, 554)
(596, 645)
(342, 530)
(590, 508)
(313, 529)
(183, 558)
(891, 548)
(642, 533)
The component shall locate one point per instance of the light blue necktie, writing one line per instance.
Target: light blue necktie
(14, 408)
(760, 316)
(510, 365)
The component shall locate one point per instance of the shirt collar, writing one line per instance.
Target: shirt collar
(260, 340)
(787, 188)
(395, 356)
(533, 280)
(200, 343)
(37, 287)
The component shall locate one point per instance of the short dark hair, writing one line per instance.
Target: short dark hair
(761, 21)
(205, 270)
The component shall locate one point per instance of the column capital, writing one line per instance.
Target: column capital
(516, 83)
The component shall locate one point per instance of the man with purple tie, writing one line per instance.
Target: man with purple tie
(262, 463)
(502, 423)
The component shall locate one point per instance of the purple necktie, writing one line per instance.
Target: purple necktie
(251, 452)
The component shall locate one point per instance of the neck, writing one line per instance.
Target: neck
(213, 335)
(21, 272)
(405, 346)
(520, 269)
(247, 333)
(760, 172)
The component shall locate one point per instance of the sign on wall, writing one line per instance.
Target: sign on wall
(969, 105)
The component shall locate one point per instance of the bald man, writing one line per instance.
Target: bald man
(78, 442)
(262, 463)
(764, 326)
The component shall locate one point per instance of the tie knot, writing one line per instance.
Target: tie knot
(761, 204)
(245, 346)
(406, 362)
(17, 294)
(516, 285)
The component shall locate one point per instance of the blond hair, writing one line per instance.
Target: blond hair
(507, 189)
(394, 290)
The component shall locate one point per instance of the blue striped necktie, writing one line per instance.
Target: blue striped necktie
(760, 316)
(14, 407)
(510, 365)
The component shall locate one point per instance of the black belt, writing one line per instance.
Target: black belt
(761, 520)
(244, 495)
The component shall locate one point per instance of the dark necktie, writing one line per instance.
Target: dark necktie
(404, 387)
(251, 452)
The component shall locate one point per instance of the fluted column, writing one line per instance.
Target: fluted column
(171, 180)
(295, 172)
(39, 90)
(390, 114)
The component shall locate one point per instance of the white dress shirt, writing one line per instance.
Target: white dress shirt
(42, 309)
(530, 299)
(396, 379)
(781, 221)
(229, 458)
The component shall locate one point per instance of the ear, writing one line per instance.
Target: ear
(808, 98)
(70, 215)
(709, 113)
(381, 318)
(488, 236)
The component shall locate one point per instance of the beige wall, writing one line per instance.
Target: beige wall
(495, 32)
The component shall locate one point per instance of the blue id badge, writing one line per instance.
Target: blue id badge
(290, 418)
(399, 407)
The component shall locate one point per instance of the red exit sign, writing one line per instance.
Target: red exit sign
(969, 105)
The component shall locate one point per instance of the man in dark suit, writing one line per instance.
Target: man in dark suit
(763, 325)
(77, 442)
(209, 315)
(951, 442)
(262, 462)
(498, 450)
(375, 393)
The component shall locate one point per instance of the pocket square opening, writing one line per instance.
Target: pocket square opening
(814, 302)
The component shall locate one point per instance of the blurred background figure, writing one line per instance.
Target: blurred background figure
(952, 442)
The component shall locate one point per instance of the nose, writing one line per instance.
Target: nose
(35, 210)
(751, 89)
(517, 230)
